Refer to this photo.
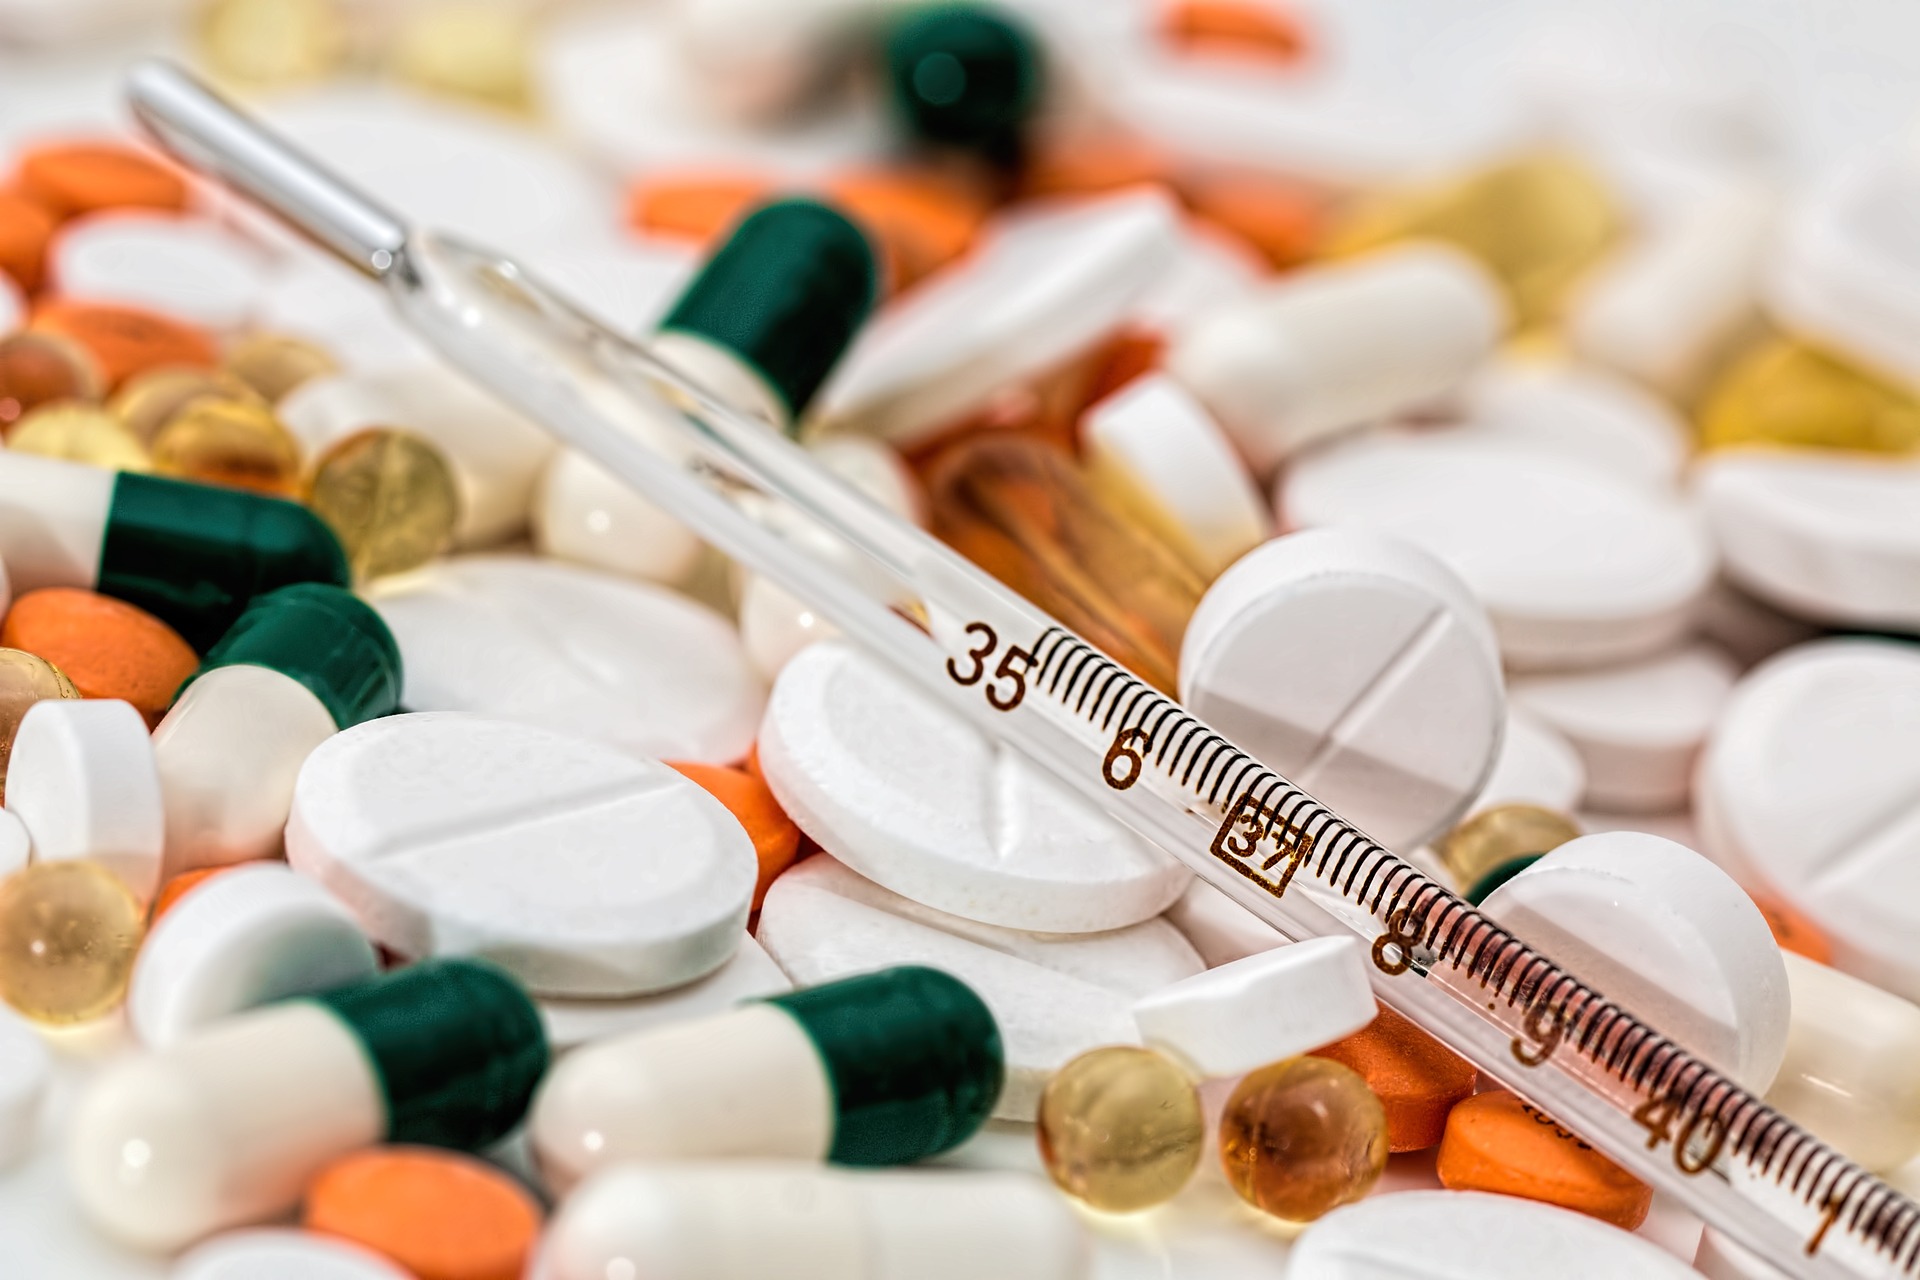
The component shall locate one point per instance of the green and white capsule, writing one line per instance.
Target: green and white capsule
(965, 75)
(880, 1069)
(193, 555)
(301, 664)
(228, 1126)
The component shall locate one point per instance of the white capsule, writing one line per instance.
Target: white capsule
(584, 513)
(282, 1254)
(186, 267)
(82, 781)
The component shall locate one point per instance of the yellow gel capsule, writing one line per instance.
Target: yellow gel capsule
(147, 401)
(44, 368)
(389, 496)
(69, 931)
(1493, 838)
(79, 433)
(1785, 392)
(25, 679)
(273, 364)
(273, 42)
(477, 51)
(1536, 221)
(1301, 1137)
(230, 442)
(1121, 1129)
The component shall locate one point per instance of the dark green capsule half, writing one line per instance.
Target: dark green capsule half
(785, 293)
(1501, 873)
(456, 1044)
(325, 637)
(965, 76)
(196, 555)
(914, 1058)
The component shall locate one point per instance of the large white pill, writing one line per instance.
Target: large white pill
(573, 649)
(1054, 996)
(580, 869)
(1472, 1235)
(1536, 766)
(584, 513)
(26, 1070)
(1357, 666)
(750, 974)
(189, 268)
(250, 935)
(1575, 567)
(908, 793)
(283, 1254)
(1654, 925)
(1809, 791)
(1579, 414)
(83, 782)
(1638, 727)
(1826, 536)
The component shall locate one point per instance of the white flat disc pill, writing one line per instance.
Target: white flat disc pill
(26, 1072)
(626, 663)
(910, 794)
(1821, 534)
(1040, 286)
(83, 782)
(751, 973)
(1582, 415)
(578, 868)
(189, 268)
(282, 1254)
(250, 935)
(1054, 995)
(1809, 790)
(1575, 567)
(1639, 728)
(1357, 666)
(1656, 926)
(1472, 1235)
(1536, 766)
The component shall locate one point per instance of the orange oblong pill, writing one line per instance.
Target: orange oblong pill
(1246, 28)
(776, 840)
(439, 1215)
(126, 340)
(1793, 931)
(26, 229)
(1495, 1142)
(918, 220)
(72, 178)
(107, 647)
(177, 888)
(697, 207)
(1418, 1079)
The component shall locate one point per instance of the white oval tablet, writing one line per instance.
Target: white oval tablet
(188, 268)
(1824, 535)
(576, 650)
(1536, 766)
(1472, 1235)
(1358, 667)
(250, 935)
(26, 1071)
(1809, 790)
(750, 975)
(83, 782)
(284, 1254)
(1639, 728)
(1582, 415)
(1575, 567)
(1656, 926)
(579, 869)
(909, 794)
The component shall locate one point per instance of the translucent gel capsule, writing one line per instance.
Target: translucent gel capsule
(24, 680)
(465, 49)
(273, 364)
(1536, 221)
(1025, 513)
(148, 401)
(69, 931)
(390, 496)
(79, 433)
(1301, 1137)
(1121, 1129)
(1483, 852)
(40, 368)
(272, 42)
(1785, 392)
(238, 443)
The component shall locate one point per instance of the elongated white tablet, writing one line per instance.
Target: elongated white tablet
(1536, 766)
(1826, 536)
(1583, 415)
(750, 973)
(82, 781)
(1054, 996)
(1659, 928)
(1809, 790)
(284, 1254)
(1472, 1235)
(250, 935)
(627, 663)
(1359, 667)
(1639, 727)
(1575, 567)
(580, 869)
(188, 268)
(910, 794)
(26, 1071)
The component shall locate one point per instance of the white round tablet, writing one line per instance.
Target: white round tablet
(573, 649)
(909, 794)
(283, 1254)
(188, 268)
(83, 783)
(1575, 567)
(254, 933)
(1536, 766)
(1357, 666)
(578, 868)
(1472, 1235)
(1656, 926)
(26, 1070)
(1825, 535)
(1809, 790)
(1639, 727)
(1582, 415)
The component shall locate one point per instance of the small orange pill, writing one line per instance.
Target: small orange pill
(776, 840)
(1417, 1078)
(1495, 1142)
(697, 207)
(1277, 218)
(72, 178)
(107, 648)
(920, 222)
(1242, 28)
(177, 888)
(439, 1215)
(126, 340)
(1794, 932)
(1084, 165)
(26, 228)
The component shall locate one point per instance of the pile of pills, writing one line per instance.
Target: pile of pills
(422, 855)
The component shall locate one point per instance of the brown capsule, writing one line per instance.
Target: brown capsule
(230, 442)
(1494, 837)
(44, 368)
(148, 401)
(25, 679)
(273, 364)
(389, 496)
(1301, 1137)
(69, 931)
(78, 432)
(1121, 1129)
